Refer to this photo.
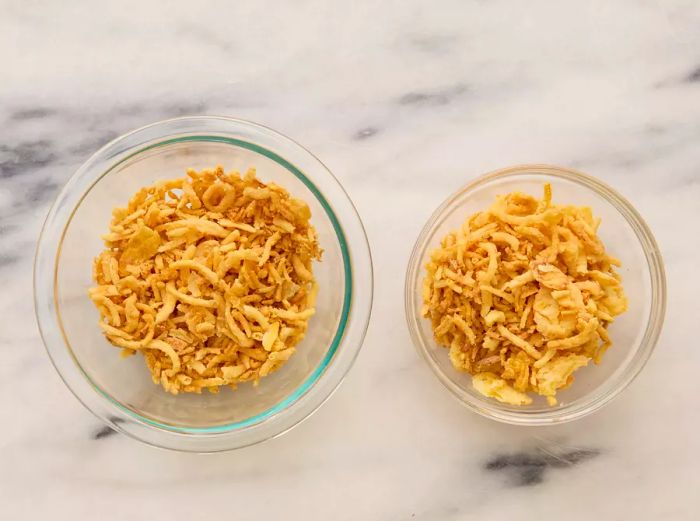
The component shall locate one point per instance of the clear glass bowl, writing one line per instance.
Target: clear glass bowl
(634, 333)
(120, 391)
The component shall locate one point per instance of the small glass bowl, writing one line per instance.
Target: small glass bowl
(120, 391)
(634, 333)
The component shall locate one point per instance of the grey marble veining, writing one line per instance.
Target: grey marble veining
(405, 102)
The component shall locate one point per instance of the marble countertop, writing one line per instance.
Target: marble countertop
(410, 99)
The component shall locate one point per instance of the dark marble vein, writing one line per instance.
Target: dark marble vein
(6, 229)
(185, 109)
(7, 259)
(106, 431)
(694, 76)
(42, 191)
(24, 157)
(432, 98)
(365, 133)
(32, 113)
(529, 468)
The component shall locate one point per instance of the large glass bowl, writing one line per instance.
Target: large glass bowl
(120, 391)
(634, 333)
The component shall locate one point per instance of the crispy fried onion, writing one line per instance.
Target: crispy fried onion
(522, 294)
(209, 277)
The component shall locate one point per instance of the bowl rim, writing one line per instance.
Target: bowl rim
(490, 408)
(349, 231)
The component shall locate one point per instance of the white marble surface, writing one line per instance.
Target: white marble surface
(404, 101)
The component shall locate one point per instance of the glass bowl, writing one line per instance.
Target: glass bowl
(120, 391)
(634, 333)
